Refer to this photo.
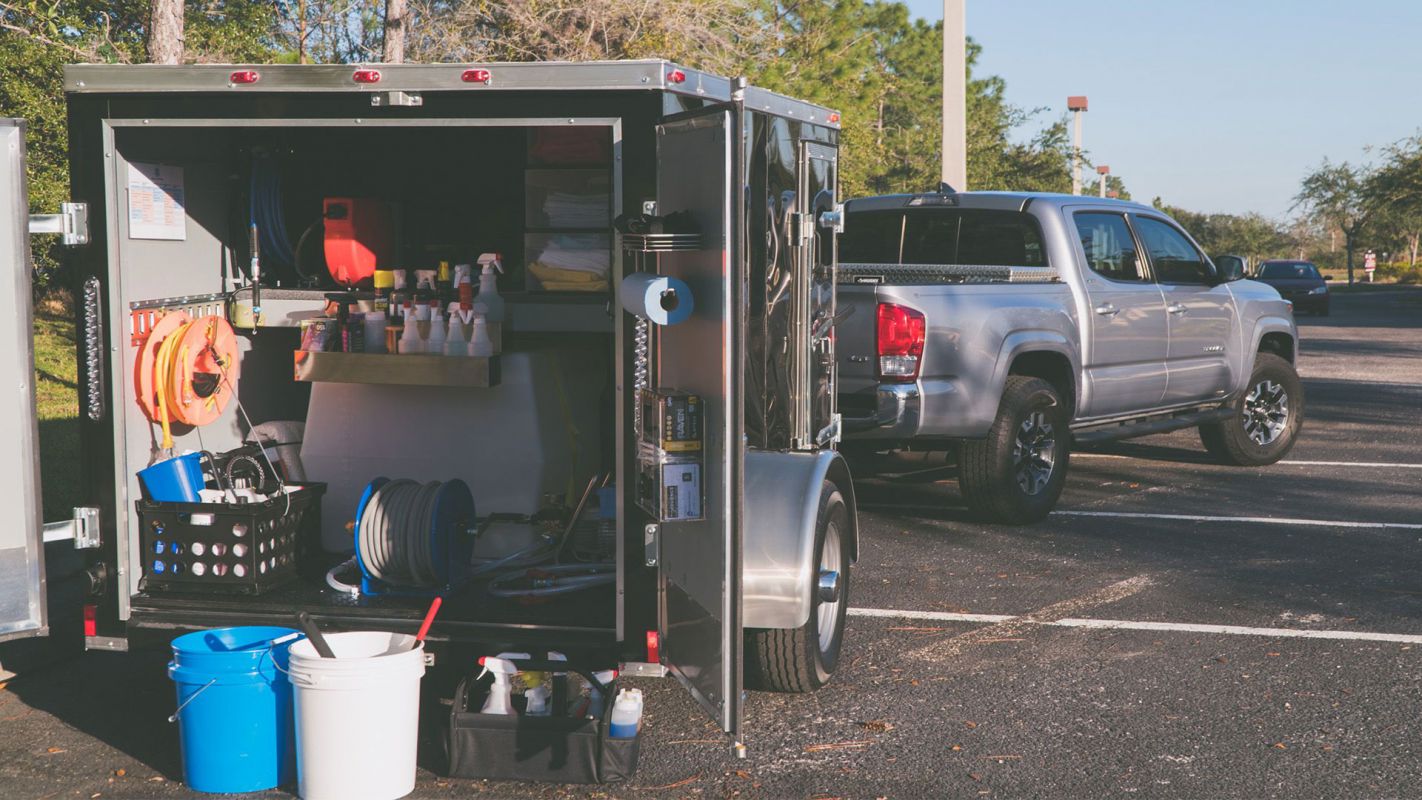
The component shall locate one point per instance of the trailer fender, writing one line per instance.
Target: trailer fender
(782, 495)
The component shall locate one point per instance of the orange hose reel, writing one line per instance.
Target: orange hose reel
(186, 370)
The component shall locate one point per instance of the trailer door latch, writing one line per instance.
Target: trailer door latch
(71, 223)
(83, 529)
(397, 98)
(649, 543)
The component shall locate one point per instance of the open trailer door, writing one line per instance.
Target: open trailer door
(699, 560)
(23, 610)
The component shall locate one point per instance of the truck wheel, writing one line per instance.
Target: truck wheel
(802, 659)
(1267, 417)
(1017, 472)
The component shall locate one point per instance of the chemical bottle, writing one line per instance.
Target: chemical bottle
(626, 714)
(500, 700)
(490, 264)
(595, 701)
(375, 332)
(410, 337)
(444, 288)
(454, 342)
(479, 342)
(435, 343)
(384, 280)
(536, 698)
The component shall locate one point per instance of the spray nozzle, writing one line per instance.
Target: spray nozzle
(489, 262)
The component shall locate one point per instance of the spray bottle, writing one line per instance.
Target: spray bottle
(435, 343)
(595, 699)
(410, 336)
(479, 342)
(500, 699)
(489, 286)
(454, 343)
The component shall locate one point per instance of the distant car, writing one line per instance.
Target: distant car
(1298, 282)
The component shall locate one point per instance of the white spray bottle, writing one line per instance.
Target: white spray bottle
(500, 699)
(489, 286)
(454, 342)
(479, 342)
(435, 343)
(410, 336)
(595, 699)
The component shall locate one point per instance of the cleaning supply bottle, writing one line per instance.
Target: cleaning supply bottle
(595, 699)
(435, 343)
(454, 342)
(500, 700)
(410, 336)
(536, 695)
(626, 714)
(479, 342)
(489, 286)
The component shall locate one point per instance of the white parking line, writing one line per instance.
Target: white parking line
(1369, 464)
(1130, 625)
(1317, 523)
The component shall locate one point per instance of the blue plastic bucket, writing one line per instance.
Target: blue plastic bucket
(234, 708)
(174, 480)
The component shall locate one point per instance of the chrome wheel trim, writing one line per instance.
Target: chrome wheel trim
(1034, 453)
(1265, 415)
(828, 612)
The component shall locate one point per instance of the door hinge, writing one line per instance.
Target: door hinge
(802, 230)
(83, 529)
(71, 223)
(649, 544)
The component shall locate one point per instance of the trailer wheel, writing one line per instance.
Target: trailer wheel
(1267, 417)
(803, 659)
(1016, 473)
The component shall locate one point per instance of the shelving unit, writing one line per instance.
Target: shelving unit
(391, 368)
(578, 181)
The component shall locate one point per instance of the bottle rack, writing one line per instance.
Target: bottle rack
(409, 369)
(660, 242)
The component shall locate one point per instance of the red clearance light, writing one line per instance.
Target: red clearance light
(244, 76)
(91, 620)
(476, 76)
(834, 117)
(901, 334)
(654, 648)
(366, 76)
(676, 76)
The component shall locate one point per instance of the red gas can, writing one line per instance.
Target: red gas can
(360, 237)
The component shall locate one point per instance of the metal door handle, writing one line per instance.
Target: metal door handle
(1176, 308)
(1107, 310)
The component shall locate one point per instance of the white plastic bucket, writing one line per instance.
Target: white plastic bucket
(357, 716)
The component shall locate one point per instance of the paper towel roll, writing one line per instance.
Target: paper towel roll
(660, 298)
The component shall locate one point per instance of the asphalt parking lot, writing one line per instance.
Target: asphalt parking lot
(1177, 629)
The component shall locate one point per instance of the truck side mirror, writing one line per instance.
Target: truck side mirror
(1231, 268)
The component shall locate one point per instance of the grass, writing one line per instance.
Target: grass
(57, 401)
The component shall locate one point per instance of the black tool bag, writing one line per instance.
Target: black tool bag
(516, 747)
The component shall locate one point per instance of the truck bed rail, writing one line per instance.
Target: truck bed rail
(922, 274)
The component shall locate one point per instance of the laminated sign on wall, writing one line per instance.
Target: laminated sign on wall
(155, 202)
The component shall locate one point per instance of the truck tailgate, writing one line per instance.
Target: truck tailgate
(854, 344)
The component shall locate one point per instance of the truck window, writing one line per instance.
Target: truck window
(1172, 256)
(1110, 249)
(976, 237)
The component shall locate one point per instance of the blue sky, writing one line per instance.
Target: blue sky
(1214, 105)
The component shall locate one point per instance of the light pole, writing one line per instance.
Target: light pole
(1076, 104)
(1103, 171)
(955, 94)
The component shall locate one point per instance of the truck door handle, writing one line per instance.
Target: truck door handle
(1107, 310)
(1176, 308)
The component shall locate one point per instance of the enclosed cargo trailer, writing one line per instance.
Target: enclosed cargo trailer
(174, 167)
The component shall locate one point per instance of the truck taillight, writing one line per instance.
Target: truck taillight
(366, 76)
(899, 342)
(91, 620)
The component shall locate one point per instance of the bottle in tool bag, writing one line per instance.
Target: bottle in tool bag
(595, 699)
(489, 287)
(626, 714)
(500, 700)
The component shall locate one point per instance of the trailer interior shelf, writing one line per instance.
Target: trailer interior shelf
(402, 369)
(660, 242)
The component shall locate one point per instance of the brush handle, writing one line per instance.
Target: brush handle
(308, 627)
(429, 618)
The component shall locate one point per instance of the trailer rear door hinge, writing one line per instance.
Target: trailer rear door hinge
(71, 223)
(397, 98)
(83, 529)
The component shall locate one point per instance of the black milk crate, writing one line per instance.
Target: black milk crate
(228, 548)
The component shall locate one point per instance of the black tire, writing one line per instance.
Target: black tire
(988, 469)
(793, 660)
(1233, 442)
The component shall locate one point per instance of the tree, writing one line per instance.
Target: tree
(1339, 195)
(165, 32)
(396, 21)
(1396, 187)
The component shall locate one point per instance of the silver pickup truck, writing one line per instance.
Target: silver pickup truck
(1002, 327)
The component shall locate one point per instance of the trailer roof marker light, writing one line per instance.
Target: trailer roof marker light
(676, 76)
(366, 76)
(834, 117)
(483, 76)
(243, 76)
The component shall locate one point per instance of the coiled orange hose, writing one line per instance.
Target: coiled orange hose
(194, 369)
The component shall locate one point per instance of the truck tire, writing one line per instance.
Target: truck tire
(803, 659)
(1267, 417)
(1017, 472)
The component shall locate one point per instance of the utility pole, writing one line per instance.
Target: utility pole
(955, 94)
(1076, 104)
(1103, 171)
